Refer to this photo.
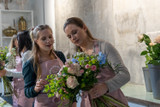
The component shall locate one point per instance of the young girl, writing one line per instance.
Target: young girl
(45, 60)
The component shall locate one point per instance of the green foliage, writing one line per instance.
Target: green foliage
(83, 69)
(152, 52)
(86, 80)
(3, 58)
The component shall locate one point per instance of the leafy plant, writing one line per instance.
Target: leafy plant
(152, 52)
(3, 59)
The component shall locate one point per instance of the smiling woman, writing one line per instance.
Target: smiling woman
(45, 41)
(44, 61)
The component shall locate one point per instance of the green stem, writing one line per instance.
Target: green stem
(7, 85)
(3, 103)
(114, 101)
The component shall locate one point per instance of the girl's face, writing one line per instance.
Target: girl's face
(45, 40)
(76, 34)
(16, 43)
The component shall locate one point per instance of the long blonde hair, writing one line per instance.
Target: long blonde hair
(35, 50)
(12, 44)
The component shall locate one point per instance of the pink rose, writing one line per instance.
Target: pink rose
(87, 66)
(79, 73)
(64, 90)
(71, 71)
(72, 82)
(93, 68)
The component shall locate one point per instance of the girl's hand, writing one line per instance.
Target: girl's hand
(98, 90)
(40, 85)
(2, 72)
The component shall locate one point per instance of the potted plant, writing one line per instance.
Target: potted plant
(152, 54)
(145, 69)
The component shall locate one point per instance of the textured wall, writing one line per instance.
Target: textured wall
(97, 14)
(116, 21)
(131, 18)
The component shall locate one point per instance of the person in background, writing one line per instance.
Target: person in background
(109, 82)
(14, 69)
(10, 70)
(44, 61)
(25, 45)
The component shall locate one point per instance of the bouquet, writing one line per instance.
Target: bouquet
(78, 75)
(5, 81)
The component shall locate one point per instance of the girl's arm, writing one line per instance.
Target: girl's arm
(29, 79)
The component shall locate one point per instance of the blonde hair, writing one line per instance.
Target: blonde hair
(12, 44)
(34, 34)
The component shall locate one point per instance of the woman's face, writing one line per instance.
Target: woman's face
(45, 40)
(76, 34)
(16, 43)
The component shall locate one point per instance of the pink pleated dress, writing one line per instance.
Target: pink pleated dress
(18, 85)
(103, 76)
(48, 67)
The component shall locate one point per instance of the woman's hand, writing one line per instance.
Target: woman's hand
(40, 85)
(98, 90)
(74, 104)
(2, 72)
(2, 63)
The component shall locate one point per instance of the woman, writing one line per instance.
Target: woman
(45, 60)
(14, 68)
(10, 70)
(25, 45)
(109, 82)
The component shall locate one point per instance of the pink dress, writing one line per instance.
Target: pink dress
(104, 75)
(19, 99)
(48, 67)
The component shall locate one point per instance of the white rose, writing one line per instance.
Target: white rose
(72, 82)
(157, 39)
(57, 95)
(140, 38)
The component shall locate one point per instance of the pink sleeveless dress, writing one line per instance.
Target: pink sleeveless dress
(48, 67)
(18, 85)
(104, 75)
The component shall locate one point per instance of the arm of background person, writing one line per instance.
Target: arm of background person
(13, 73)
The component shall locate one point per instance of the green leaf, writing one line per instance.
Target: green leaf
(144, 52)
